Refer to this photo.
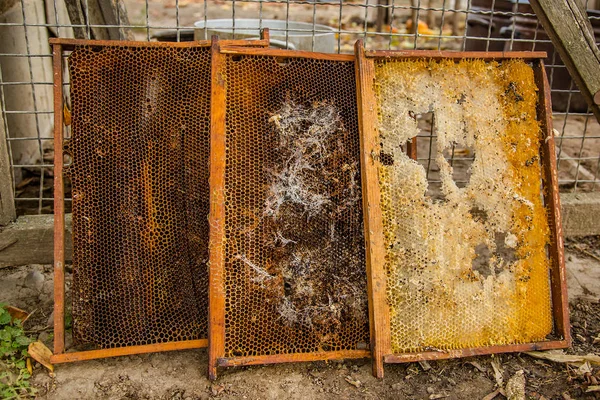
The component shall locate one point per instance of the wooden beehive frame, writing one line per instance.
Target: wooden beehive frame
(217, 292)
(374, 234)
(59, 46)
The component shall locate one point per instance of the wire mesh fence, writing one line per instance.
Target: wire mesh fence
(326, 26)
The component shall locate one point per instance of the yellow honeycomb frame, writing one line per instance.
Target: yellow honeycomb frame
(426, 302)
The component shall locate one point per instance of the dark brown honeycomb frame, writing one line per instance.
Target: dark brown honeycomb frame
(248, 285)
(379, 307)
(140, 151)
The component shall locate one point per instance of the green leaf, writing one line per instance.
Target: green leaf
(12, 330)
(4, 335)
(8, 393)
(4, 317)
(23, 340)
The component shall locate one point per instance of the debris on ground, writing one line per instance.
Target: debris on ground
(515, 387)
(40, 353)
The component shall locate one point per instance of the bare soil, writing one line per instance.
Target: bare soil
(182, 374)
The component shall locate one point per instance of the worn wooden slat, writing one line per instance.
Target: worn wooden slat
(566, 23)
(284, 358)
(59, 204)
(126, 351)
(455, 55)
(379, 320)
(216, 289)
(16, 239)
(69, 44)
(285, 53)
(560, 301)
(477, 351)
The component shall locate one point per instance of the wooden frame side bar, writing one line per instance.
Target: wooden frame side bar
(216, 284)
(477, 351)
(379, 319)
(59, 204)
(126, 351)
(228, 49)
(558, 276)
(69, 44)
(455, 55)
(298, 357)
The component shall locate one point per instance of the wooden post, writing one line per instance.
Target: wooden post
(99, 12)
(383, 15)
(567, 25)
(7, 200)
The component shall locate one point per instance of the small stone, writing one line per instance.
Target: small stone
(515, 387)
(34, 280)
(430, 390)
(397, 386)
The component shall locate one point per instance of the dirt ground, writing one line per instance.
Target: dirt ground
(182, 374)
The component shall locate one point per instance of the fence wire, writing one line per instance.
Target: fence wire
(329, 26)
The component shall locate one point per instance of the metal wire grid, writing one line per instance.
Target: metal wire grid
(578, 141)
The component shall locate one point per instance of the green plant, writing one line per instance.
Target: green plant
(14, 375)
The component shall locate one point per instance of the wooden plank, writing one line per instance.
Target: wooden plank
(478, 351)
(76, 17)
(126, 351)
(567, 25)
(576, 209)
(59, 204)
(7, 199)
(216, 288)
(298, 357)
(558, 275)
(455, 55)
(379, 319)
(114, 13)
(16, 240)
(99, 12)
